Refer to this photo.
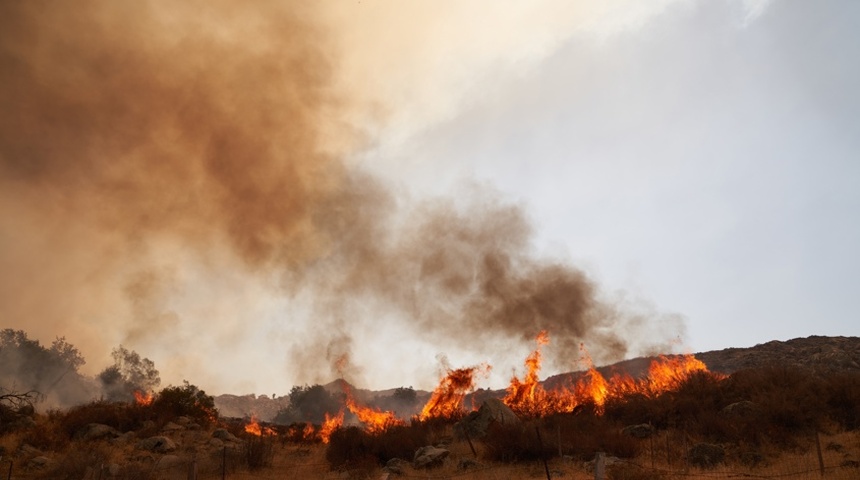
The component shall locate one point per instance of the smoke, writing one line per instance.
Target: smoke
(164, 172)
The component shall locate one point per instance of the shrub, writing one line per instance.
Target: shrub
(187, 400)
(258, 452)
(352, 446)
(515, 443)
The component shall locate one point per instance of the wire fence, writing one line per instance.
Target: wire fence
(664, 456)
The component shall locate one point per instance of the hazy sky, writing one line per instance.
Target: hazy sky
(246, 196)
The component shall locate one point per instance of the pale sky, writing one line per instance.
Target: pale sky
(699, 161)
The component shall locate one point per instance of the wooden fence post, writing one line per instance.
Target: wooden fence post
(543, 456)
(224, 463)
(818, 448)
(192, 469)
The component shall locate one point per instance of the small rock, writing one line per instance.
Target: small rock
(39, 462)
(97, 431)
(642, 430)
(172, 427)
(168, 461)
(223, 434)
(157, 444)
(744, 408)
(429, 456)
(395, 466)
(468, 463)
(706, 455)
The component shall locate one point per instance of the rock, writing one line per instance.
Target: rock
(157, 444)
(492, 411)
(223, 434)
(39, 462)
(607, 461)
(27, 449)
(216, 443)
(744, 408)
(172, 427)
(113, 469)
(467, 463)
(183, 420)
(706, 455)
(168, 461)
(97, 431)
(123, 439)
(395, 466)
(429, 456)
(642, 430)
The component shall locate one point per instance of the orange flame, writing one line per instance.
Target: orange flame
(527, 397)
(447, 398)
(253, 427)
(375, 421)
(330, 425)
(143, 399)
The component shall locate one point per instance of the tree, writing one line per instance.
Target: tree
(128, 374)
(309, 404)
(26, 365)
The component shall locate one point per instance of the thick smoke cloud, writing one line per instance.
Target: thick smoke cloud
(137, 139)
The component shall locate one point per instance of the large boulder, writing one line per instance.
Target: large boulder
(429, 456)
(157, 444)
(492, 411)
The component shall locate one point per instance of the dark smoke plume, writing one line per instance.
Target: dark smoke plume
(135, 135)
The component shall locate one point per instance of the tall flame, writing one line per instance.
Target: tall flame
(527, 396)
(447, 398)
(330, 425)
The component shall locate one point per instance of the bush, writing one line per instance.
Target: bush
(187, 400)
(515, 443)
(258, 452)
(352, 446)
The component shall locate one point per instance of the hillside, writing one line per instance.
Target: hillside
(817, 353)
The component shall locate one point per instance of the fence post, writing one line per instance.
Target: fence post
(600, 466)
(558, 430)
(224, 463)
(543, 456)
(192, 469)
(818, 449)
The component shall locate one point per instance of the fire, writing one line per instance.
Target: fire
(143, 399)
(308, 432)
(330, 425)
(375, 421)
(447, 398)
(527, 397)
(253, 427)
